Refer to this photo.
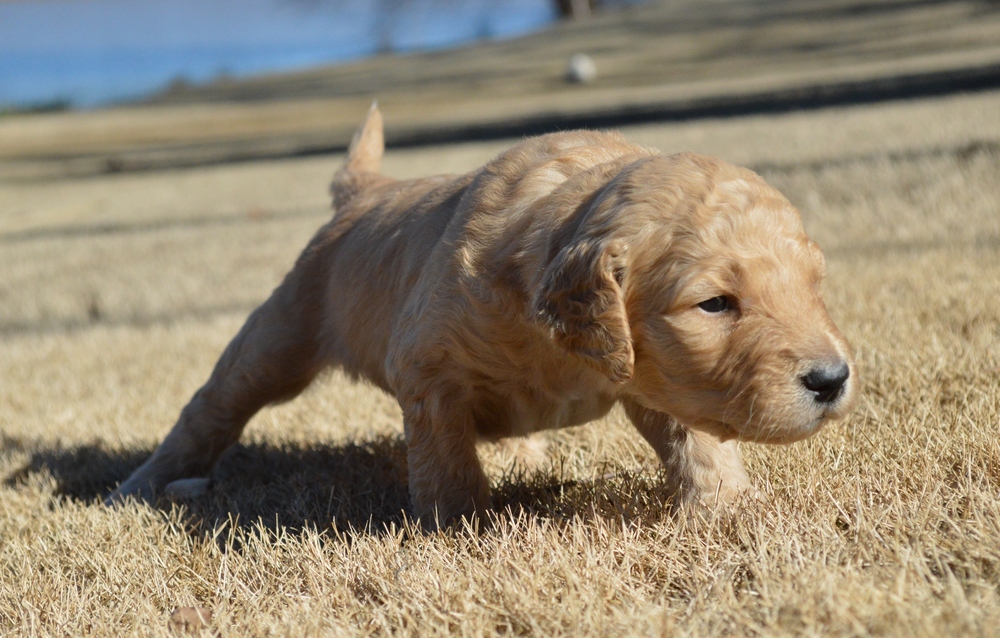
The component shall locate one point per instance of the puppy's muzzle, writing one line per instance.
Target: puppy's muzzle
(826, 382)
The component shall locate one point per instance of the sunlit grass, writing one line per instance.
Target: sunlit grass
(886, 524)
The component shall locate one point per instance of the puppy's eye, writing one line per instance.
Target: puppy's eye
(716, 304)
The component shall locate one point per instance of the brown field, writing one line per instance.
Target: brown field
(119, 291)
(661, 58)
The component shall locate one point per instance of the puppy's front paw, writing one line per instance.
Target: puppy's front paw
(527, 453)
(725, 499)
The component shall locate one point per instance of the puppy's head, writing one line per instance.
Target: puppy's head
(707, 304)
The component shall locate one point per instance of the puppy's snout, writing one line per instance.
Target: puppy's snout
(826, 381)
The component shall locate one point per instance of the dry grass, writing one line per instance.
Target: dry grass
(119, 292)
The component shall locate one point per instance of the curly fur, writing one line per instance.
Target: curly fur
(536, 292)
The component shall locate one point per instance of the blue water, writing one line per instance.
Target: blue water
(92, 52)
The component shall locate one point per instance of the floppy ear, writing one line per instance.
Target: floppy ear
(581, 302)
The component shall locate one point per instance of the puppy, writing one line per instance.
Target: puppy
(573, 272)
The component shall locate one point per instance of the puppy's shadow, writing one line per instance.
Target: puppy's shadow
(359, 486)
(351, 486)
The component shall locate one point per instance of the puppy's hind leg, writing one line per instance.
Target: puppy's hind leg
(273, 358)
(702, 469)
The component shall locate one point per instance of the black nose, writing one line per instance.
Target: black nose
(826, 382)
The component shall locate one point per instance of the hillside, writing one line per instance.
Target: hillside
(662, 61)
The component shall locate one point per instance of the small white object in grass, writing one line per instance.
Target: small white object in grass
(581, 69)
(191, 618)
(187, 488)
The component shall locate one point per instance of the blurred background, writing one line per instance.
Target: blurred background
(95, 52)
(277, 78)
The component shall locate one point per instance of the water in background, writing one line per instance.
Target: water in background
(92, 52)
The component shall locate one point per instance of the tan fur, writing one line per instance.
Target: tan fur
(536, 292)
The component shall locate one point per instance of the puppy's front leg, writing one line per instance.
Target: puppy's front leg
(446, 479)
(702, 468)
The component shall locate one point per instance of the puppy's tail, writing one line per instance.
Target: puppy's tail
(364, 159)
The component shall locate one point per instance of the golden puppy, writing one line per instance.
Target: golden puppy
(573, 272)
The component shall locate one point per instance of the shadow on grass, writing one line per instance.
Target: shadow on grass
(291, 486)
(353, 486)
